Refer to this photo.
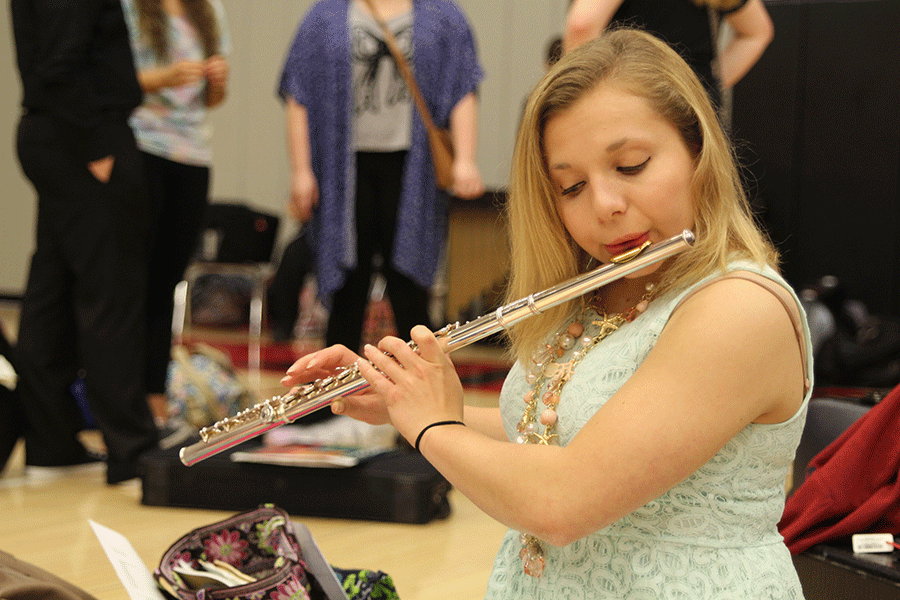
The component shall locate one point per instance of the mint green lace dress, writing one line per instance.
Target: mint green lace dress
(713, 536)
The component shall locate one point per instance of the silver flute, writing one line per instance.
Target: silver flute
(280, 410)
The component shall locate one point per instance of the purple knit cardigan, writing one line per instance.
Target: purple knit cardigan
(317, 75)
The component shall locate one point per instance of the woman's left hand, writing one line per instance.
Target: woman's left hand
(216, 70)
(467, 183)
(364, 405)
(417, 388)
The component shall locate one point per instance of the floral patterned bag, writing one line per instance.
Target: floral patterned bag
(250, 556)
(203, 386)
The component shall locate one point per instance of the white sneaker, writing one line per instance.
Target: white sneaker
(35, 474)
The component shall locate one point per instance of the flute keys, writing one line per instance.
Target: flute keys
(267, 413)
(348, 373)
(326, 383)
(446, 329)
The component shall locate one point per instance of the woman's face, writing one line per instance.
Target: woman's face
(621, 171)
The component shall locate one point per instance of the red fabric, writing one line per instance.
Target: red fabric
(854, 487)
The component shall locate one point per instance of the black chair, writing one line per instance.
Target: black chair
(239, 241)
(826, 420)
(832, 571)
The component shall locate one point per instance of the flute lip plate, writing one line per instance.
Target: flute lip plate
(630, 254)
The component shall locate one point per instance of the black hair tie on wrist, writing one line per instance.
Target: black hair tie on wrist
(435, 424)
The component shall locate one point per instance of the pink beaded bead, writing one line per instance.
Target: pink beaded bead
(548, 417)
(575, 329)
(533, 564)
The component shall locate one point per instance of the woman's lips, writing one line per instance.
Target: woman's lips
(626, 243)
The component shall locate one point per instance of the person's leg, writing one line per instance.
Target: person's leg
(12, 425)
(348, 307)
(107, 248)
(156, 190)
(284, 291)
(46, 351)
(46, 358)
(178, 199)
(409, 301)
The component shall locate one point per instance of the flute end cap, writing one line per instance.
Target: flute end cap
(688, 236)
(182, 455)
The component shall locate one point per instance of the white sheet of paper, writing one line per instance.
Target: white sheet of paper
(128, 565)
(317, 564)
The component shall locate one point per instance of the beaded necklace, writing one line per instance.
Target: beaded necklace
(546, 369)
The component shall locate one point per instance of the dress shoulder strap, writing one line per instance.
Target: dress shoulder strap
(779, 291)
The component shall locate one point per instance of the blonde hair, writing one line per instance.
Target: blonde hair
(542, 251)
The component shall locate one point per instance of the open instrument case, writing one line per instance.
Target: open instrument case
(399, 486)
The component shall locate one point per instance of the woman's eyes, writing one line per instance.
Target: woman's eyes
(633, 169)
(573, 189)
(625, 170)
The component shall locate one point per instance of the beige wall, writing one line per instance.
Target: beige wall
(16, 198)
(249, 147)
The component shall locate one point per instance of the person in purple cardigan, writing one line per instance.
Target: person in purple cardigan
(361, 167)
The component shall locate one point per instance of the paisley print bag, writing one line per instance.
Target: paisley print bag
(258, 555)
(252, 555)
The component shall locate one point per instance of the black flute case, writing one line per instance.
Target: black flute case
(399, 486)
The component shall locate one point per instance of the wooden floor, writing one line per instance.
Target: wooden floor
(44, 521)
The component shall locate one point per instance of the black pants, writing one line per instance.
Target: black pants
(84, 303)
(284, 292)
(11, 423)
(178, 199)
(378, 183)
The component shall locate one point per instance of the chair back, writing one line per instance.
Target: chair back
(826, 420)
(236, 233)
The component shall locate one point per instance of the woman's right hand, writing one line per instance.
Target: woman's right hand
(366, 405)
(304, 195)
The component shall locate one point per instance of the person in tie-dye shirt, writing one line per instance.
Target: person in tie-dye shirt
(180, 49)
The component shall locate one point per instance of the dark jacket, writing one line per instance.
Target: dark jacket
(854, 487)
(75, 61)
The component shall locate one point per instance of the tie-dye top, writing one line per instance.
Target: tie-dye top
(171, 122)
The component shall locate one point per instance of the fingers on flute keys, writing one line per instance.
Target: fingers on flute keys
(318, 365)
(386, 361)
